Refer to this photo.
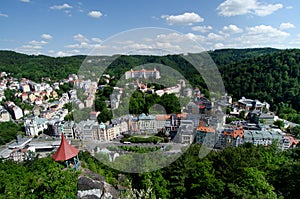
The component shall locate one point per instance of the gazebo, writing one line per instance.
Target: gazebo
(67, 153)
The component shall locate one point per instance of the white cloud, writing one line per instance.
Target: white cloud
(188, 18)
(97, 40)
(80, 45)
(25, 1)
(266, 30)
(3, 15)
(46, 36)
(83, 45)
(64, 54)
(37, 43)
(232, 29)
(249, 37)
(215, 37)
(240, 7)
(32, 46)
(157, 44)
(202, 29)
(219, 45)
(80, 38)
(95, 14)
(29, 49)
(286, 25)
(264, 10)
(61, 7)
(178, 38)
(261, 36)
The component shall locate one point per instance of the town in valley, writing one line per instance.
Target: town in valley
(46, 110)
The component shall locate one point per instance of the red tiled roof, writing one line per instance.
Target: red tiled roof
(65, 151)
(203, 128)
(237, 131)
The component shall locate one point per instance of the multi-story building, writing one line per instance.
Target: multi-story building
(91, 130)
(15, 111)
(249, 104)
(142, 74)
(24, 87)
(35, 125)
(232, 136)
(54, 128)
(185, 134)
(111, 132)
(68, 129)
(262, 137)
(206, 135)
(147, 124)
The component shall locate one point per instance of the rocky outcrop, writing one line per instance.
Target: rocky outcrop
(93, 186)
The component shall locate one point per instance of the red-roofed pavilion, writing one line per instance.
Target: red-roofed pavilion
(66, 152)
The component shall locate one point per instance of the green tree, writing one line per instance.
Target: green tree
(104, 116)
(251, 184)
(279, 123)
(242, 114)
(68, 106)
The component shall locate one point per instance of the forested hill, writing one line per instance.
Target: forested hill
(263, 73)
(227, 56)
(36, 66)
(273, 77)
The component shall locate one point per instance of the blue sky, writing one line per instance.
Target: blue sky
(61, 28)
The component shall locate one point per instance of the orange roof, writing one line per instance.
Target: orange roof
(237, 131)
(208, 129)
(65, 151)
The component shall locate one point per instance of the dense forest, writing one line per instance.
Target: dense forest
(35, 67)
(273, 77)
(37, 178)
(242, 172)
(9, 131)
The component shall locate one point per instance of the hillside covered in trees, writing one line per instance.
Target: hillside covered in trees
(263, 73)
(35, 67)
(242, 172)
(272, 77)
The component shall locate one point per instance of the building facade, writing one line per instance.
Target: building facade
(142, 74)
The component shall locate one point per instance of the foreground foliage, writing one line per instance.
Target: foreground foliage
(243, 172)
(40, 178)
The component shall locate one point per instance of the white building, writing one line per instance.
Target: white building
(142, 74)
(24, 87)
(249, 104)
(15, 111)
(35, 125)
